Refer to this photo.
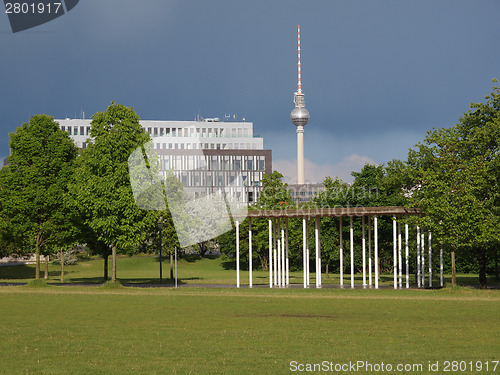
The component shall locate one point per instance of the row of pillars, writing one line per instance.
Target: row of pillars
(279, 267)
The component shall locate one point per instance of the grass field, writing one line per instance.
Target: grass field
(145, 270)
(97, 330)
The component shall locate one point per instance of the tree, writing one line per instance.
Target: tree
(103, 189)
(34, 184)
(275, 193)
(456, 176)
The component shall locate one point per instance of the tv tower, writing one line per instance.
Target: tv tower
(299, 117)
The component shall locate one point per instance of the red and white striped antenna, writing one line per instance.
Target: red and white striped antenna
(298, 52)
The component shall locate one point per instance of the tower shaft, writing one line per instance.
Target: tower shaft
(300, 156)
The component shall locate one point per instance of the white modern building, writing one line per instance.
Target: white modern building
(206, 155)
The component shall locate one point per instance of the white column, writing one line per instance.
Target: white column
(308, 255)
(407, 258)
(318, 267)
(395, 255)
(422, 246)
(441, 268)
(279, 251)
(319, 250)
(270, 254)
(275, 270)
(341, 256)
(287, 260)
(237, 254)
(375, 230)
(370, 251)
(250, 265)
(283, 261)
(419, 279)
(364, 251)
(430, 257)
(400, 257)
(351, 236)
(304, 246)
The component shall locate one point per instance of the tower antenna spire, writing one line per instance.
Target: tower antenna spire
(299, 90)
(299, 117)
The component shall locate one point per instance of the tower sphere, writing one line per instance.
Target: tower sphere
(299, 116)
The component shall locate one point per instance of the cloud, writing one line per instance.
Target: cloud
(316, 173)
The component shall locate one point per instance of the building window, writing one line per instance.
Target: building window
(149, 131)
(262, 165)
(162, 132)
(88, 130)
(250, 164)
(82, 130)
(63, 128)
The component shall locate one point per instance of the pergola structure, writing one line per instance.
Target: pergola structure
(278, 244)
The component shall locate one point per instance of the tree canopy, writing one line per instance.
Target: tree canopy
(455, 180)
(34, 185)
(102, 188)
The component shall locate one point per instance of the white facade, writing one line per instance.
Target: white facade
(206, 156)
(208, 134)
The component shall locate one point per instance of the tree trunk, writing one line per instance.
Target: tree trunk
(113, 271)
(327, 270)
(171, 266)
(263, 263)
(106, 256)
(482, 267)
(453, 269)
(37, 267)
(62, 266)
(46, 274)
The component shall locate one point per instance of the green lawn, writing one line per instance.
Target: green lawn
(145, 270)
(94, 330)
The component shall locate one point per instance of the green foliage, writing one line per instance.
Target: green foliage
(34, 188)
(456, 175)
(103, 189)
(275, 193)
